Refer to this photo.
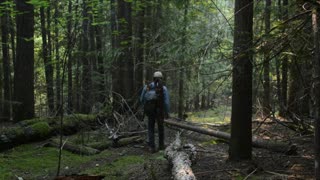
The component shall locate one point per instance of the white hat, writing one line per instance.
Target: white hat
(157, 74)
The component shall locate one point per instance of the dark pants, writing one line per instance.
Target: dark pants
(151, 123)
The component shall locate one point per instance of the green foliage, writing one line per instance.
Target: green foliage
(39, 3)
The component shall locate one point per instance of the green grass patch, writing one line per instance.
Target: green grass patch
(210, 142)
(219, 115)
(29, 162)
(117, 169)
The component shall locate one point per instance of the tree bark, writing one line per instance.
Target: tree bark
(123, 73)
(284, 71)
(316, 90)
(24, 66)
(241, 135)
(256, 142)
(181, 160)
(99, 48)
(266, 67)
(69, 50)
(6, 64)
(139, 60)
(47, 63)
(181, 106)
(86, 61)
(57, 55)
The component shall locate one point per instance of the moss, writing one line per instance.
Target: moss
(117, 169)
(42, 129)
(220, 115)
(32, 121)
(15, 133)
(29, 162)
(210, 142)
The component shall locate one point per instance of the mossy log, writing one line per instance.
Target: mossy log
(256, 142)
(181, 158)
(19, 135)
(77, 149)
(43, 128)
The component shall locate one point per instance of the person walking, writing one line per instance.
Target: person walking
(155, 99)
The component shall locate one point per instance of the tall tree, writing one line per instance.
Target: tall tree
(266, 66)
(182, 62)
(6, 61)
(123, 82)
(241, 135)
(69, 51)
(85, 59)
(47, 62)
(278, 75)
(139, 54)
(99, 48)
(23, 69)
(316, 89)
(57, 55)
(284, 70)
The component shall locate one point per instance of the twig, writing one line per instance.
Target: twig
(278, 174)
(250, 174)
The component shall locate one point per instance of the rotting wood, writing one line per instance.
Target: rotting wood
(43, 128)
(181, 158)
(288, 149)
(77, 149)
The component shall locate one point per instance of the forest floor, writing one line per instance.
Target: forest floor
(33, 161)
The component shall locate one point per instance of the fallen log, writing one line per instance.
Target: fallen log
(288, 149)
(43, 128)
(77, 149)
(181, 158)
(120, 142)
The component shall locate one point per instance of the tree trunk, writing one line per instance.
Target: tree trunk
(316, 90)
(12, 41)
(47, 63)
(57, 54)
(99, 48)
(114, 46)
(123, 73)
(40, 129)
(181, 157)
(148, 68)
(278, 62)
(24, 66)
(266, 67)
(86, 61)
(139, 60)
(256, 142)
(92, 51)
(284, 70)
(69, 50)
(6, 64)
(182, 72)
(241, 135)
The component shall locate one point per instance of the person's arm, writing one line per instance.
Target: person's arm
(142, 94)
(166, 100)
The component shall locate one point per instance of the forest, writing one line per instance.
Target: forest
(242, 77)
